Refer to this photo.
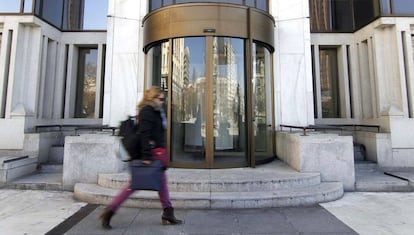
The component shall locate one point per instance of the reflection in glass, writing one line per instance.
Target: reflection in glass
(385, 7)
(28, 4)
(320, 11)
(52, 12)
(262, 105)
(86, 83)
(10, 6)
(94, 17)
(402, 7)
(329, 83)
(229, 103)
(188, 102)
(364, 12)
(260, 4)
(72, 15)
(157, 66)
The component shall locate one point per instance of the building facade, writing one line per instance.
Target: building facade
(235, 72)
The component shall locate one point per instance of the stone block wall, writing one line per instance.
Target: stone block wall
(88, 155)
(330, 154)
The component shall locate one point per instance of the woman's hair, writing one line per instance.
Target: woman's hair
(149, 95)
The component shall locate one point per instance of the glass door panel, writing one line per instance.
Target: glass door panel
(188, 100)
(261, 100)
(229, 121)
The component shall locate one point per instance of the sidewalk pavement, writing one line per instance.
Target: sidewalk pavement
(28, 212)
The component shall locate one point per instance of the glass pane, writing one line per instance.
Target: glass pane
(52, 12)
(28, 4)
(262, 104)
(329, 83)
(342, 16)
(385, 7)
(261, 4)
(250, 3)
(364, 12)
(157, 66)
(188, 101)
(86, 83)
(10, 6)
(402, 6)
(320, 15)
(155, 4)
(94, 16)
(229, 100)
(72, 15)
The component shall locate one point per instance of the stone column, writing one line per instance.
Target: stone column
(292, 63)
(124, 75)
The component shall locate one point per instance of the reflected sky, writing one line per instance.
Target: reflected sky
(9, 5)
(95, 12)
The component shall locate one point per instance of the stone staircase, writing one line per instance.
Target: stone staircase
(44, 176)
(371, 178)
(13, 167)
(270, 185)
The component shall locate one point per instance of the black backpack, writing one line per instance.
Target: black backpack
(130, 137)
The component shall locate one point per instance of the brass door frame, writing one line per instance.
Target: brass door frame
(209, 103)
(208, 19)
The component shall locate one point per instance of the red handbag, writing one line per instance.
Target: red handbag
(160, 154)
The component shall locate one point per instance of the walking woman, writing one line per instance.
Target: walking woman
(152, 127)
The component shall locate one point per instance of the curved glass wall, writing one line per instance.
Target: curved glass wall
(188, 100)
(262, 102)
(229, 92)
(206, 82)
(259, 4)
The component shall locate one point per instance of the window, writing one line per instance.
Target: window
(320, 15)
(10, 6)
(402, 7)
(330, 15)
(71, 15)
(94, 16)
(52, 12)
(86, 91)
(259, 4)
(328, 69)
(28, 6)
(364, 12)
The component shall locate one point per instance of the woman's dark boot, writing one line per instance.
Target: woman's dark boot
(169, 218)
(105, 217)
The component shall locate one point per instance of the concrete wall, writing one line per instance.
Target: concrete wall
(330, 154)
(88, 155)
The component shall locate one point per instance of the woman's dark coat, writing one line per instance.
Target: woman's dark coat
(152, 132)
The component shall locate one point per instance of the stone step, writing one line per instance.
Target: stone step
(37, 181)
(324, 192)
(377, 181)
(56, 153)
(182, 180)
(51, 168)
(365, 166)
(13, 167)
